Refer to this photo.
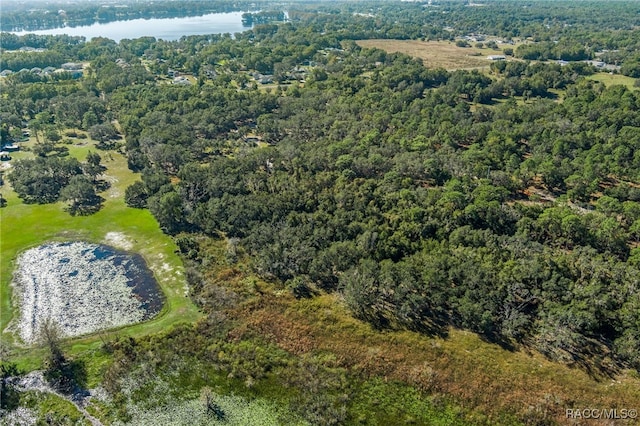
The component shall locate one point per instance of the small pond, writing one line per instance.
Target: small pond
(83, 288)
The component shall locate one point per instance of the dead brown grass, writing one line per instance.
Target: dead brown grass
(481, 377)
(478, 375)
(436, 54)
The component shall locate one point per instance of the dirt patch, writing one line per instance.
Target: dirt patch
(118, 240)
(113, 191)
(435, 54)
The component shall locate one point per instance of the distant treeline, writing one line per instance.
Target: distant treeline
(263, 17)
(553, 30)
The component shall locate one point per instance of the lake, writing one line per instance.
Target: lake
(166, 28)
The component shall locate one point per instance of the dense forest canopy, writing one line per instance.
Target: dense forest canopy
(504, 201)
(368, 188)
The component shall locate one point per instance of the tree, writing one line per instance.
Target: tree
(55, 362)
(92, 167)
(154, 180)
(211, 408)
(62, 373)
(168, 211)
(136, 160)
(40, 180)
(631, 67)
(136, 195)
(491, 44)
(168, 157)
(363, 293)
(81, 194)
(52, 135)
(50, 336)
(43, 149)
(89, 119)
(9, 396)
(104, 134)
(46, 149)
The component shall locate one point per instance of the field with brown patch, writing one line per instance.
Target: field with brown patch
(478, 375)
(436, 54)
(492, 384)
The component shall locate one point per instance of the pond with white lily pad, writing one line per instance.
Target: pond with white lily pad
(83, 288)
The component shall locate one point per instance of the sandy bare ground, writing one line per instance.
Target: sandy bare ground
(35, 381)
(118, 240)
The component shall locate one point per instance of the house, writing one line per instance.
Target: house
(11, 148)
(31, 49)
(71, 66)
(181, 80)
(597, 64)
(496, 57)
(122, 63)
(263, 78)
(253, 140)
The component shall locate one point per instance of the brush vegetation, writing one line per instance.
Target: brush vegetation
(365, 238)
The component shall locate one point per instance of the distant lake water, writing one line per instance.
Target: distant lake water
(165, 28)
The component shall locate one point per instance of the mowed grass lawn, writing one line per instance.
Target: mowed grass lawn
(26, 225)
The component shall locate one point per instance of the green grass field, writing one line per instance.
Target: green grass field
(26, 225)
(611, 79)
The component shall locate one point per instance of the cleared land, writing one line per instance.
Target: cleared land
(612, 79)
(27, 225)
(436, 54)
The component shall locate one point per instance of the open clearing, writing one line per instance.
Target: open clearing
(436, 54)
(23, 226)
(612, 79)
